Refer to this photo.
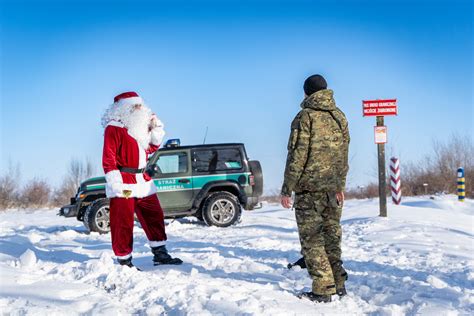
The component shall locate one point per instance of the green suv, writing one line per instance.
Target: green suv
(211, 182)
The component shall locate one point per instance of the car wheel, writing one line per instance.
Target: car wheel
(96, 216)
(221, 209)
(198, 215)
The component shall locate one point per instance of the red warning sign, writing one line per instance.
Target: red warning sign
(379, 107)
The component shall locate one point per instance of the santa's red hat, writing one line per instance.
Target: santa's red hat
(128, 98)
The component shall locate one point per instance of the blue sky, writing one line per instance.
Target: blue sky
(236, 67)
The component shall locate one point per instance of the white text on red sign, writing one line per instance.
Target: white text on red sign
(379, 107)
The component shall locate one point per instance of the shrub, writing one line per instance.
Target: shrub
(9, 188)
(78, 171)
(439, 170)
(35, 194)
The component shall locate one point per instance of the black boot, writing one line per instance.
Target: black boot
(300, 262)
(126, 262)
(341, 292)
(340, 275)
(315, 297)
(161, 256)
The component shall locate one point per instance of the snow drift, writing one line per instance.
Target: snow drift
(419, 260)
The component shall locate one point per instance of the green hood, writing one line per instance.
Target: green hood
(321, 100)
(92, 182)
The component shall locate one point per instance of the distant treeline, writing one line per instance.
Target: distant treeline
(434, 174)
(37, 193)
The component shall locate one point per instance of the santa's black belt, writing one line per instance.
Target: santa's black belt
(131, 170)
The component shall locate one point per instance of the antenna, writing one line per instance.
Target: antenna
(205, 135)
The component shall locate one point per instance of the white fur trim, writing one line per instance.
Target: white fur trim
(114, 183)
(141, 157)
(154, 244)
(141, 164)
(113, 176)
(157, 135)
(139, 190)
(130, 101)
(140, 178)
(115, 123)
(139, 141)
(124, 257)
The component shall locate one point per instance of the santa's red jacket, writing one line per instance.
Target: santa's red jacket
(123, 150)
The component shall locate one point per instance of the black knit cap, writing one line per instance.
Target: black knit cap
(313, 84)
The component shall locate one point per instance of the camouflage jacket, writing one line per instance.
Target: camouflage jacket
(318, 147)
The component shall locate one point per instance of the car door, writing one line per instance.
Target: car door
(174, 180)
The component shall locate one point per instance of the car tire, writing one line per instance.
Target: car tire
(198, 215)
(221, 209)
(96, 216)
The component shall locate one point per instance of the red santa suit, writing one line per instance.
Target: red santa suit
(127, 144)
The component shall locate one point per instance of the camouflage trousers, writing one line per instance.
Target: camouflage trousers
(318, 217)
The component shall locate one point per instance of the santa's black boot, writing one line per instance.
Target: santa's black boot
(126, 262)
(161, 256)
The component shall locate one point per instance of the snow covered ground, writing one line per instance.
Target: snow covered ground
(419, 260)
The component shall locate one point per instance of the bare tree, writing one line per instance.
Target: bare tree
(9, 187)
(35, 194)
(436, 173)
(448, 157)
(78, 171)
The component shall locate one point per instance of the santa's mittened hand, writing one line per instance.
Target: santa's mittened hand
(153, 122)
(158, 122)
(114, 183)
(117, 189)
(157, 135)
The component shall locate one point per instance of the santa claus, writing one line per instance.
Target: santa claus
(132, 132)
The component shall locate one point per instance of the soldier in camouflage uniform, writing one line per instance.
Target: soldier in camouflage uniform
(316, 170)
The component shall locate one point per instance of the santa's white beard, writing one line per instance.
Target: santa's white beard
(135, 120)
(137, 124)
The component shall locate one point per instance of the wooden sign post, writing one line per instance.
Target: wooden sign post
(379, 109)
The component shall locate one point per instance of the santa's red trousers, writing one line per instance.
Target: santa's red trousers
(149, 213)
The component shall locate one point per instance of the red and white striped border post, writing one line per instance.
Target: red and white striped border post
(395, 180)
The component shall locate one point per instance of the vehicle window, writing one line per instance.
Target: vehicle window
(217, 160)
(173, 163)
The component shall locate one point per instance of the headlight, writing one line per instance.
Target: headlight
(80, 196)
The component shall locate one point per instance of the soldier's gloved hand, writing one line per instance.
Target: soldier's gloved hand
(286, 201)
